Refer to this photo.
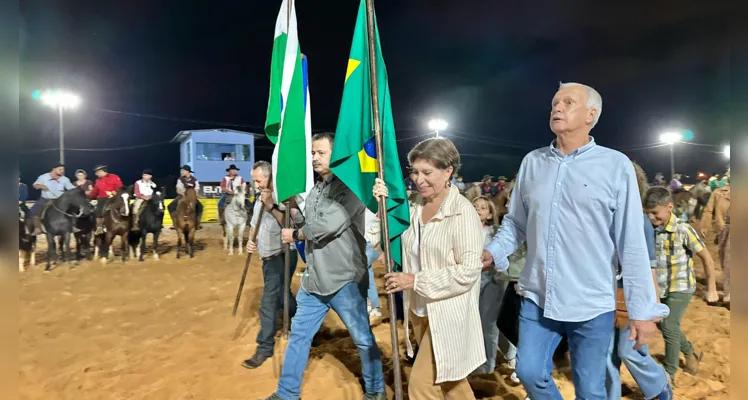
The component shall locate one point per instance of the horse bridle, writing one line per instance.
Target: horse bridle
(80, 211)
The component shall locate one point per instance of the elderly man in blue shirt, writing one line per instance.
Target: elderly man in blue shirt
(52, 184)
(578, 208)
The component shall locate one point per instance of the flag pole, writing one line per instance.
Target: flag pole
(383, 202)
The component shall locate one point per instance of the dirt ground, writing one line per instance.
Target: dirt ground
(163, 330)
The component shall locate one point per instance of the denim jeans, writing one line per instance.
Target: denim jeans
(489, 305)
(272, 300)
(371, 256)
(350, 304)
(589, 343)
(222, 200)
(647, 373)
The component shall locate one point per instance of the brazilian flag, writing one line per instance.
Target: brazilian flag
(354, 156)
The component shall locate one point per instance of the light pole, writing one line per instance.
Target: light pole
(437, 125)
(671, 138)
(60, 100)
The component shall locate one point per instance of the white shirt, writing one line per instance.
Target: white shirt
(371, 228)
(144, 188)
(417, 304)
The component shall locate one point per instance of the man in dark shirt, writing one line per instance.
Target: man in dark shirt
(336, 277)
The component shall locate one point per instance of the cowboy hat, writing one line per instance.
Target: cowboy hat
(487, 177)
(232, 166)
(147, 171)
(187, 168)
(100, 166)
(502, 178)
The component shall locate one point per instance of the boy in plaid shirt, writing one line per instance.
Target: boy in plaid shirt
(675, 244)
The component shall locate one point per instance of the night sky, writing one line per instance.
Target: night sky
(146, 70)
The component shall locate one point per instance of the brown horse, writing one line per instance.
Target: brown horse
(117, 220)
(185, 221)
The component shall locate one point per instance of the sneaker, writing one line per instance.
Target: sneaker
(254, 362)
(726, 298)
(375, 313)
(375, 396)
(512, 364)
(275, 397)
(514, 378)
(692, 362)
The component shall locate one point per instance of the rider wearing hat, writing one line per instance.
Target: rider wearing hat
(186, 180)
(485, 187)
(143, 192)
(52, 184)
(229, 182)
(106, 186)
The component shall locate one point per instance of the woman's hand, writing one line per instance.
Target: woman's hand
(398, 281)
(380, 190)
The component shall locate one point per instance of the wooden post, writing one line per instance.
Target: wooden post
(371, 33)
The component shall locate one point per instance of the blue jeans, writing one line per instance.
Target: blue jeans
(36, 209)
(371, 256)
(350, 304)
(489, 305)
(589, 343)
(649, 375)
(222, 200)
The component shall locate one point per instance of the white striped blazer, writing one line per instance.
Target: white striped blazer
(449, 281)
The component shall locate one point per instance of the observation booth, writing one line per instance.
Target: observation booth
(209, 152)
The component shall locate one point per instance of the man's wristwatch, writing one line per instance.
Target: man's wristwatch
(295, 234)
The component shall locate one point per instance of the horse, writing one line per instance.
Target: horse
(26, 242)
(185, 221)
(60, 217)
(86, 226)
(235, 216)
(151, 221)
(685, 203)
(471, 192)
(116, 223)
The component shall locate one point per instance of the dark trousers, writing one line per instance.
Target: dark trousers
(272, 300)
(36, 209)
(508, 322)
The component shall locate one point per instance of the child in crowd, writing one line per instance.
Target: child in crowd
(675, 245)
(491, 291)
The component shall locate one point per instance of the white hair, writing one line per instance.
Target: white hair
(594, 100)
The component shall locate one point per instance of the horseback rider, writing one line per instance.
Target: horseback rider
(186, 180)
(52, 184)
(81, 180)
(107, 185)
(229, 182)
(676, 185)
(143, 192)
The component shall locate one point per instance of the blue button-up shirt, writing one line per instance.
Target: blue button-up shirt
(55, 187)
(581, 216)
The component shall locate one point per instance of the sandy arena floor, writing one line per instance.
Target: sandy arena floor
(163, 330)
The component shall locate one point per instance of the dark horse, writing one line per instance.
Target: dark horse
(151, 221)
(60, 218)
(116, 223)
(86, 226)
(26, 241)
(185, 221)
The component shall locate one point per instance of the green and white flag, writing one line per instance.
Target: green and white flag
(289, 124)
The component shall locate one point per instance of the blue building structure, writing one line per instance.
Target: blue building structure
(210, 151)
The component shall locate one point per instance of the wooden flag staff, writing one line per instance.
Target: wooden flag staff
(383, 201)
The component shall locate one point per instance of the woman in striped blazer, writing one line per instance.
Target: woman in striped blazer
(441, 277)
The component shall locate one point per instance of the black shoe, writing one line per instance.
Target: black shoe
(254, 361)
